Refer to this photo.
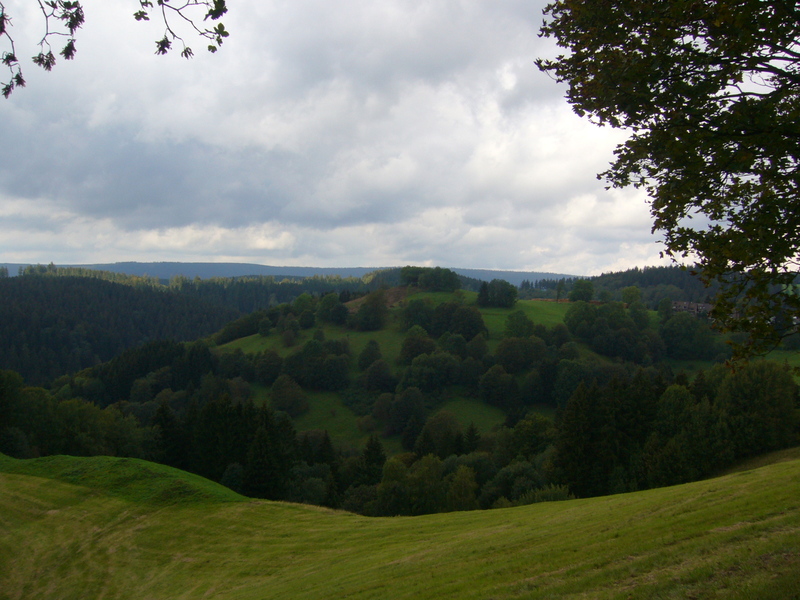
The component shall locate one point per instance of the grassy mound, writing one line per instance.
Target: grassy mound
(130, 479)
(736, 536)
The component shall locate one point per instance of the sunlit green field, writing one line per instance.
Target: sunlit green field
(120, 528)
(543, 312)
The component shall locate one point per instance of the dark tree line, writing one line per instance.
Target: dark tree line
(253, 447)
(61, 320)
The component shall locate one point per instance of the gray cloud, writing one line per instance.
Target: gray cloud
(359, 132)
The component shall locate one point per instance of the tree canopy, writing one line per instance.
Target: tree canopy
(63, 18)
(709, 92)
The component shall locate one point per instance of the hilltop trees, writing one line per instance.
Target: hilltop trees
(54, 325)
(435, 279)
(709, 94)
(497, 293)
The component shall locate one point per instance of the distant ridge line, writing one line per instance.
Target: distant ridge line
(167, 270)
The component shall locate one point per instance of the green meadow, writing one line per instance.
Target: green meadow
(121, 528)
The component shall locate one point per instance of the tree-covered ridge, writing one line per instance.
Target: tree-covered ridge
(56, 271)
(247, 293)
(60, 320)
(243, 293)
(393, 361)
(676, 283)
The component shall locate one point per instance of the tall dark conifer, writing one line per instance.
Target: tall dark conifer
(483, 294)
(172, 441)
(586, 442)
(260, 478)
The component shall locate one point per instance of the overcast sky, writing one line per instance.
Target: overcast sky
(351, 133)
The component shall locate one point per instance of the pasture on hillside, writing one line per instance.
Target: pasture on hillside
(121, 528)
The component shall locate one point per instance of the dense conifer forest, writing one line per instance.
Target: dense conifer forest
(58, 325)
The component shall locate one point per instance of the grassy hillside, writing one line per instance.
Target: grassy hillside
(72, 528)
(543, 312)
(327, 411)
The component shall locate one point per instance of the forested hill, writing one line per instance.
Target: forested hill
(673, 282)
(57, 325)
(59, 320)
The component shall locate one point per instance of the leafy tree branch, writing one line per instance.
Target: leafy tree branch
(711, 95)
(62, 19)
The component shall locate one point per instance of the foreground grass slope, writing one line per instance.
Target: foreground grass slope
(737, 536)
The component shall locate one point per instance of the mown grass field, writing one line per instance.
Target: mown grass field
(73, 528)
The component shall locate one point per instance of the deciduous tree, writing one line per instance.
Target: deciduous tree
(710, 93)
(582, 290)
(518, 325)
(287, 396)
